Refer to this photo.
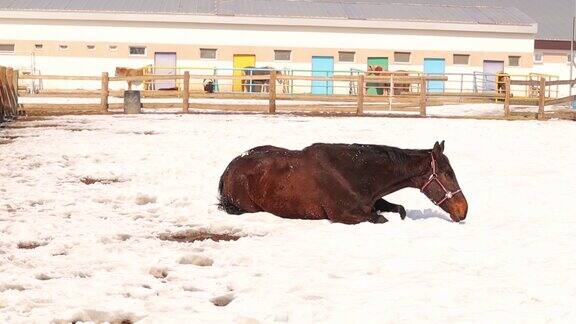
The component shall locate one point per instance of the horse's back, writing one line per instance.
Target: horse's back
(271, 179)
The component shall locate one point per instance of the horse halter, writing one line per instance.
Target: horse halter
(434, 178)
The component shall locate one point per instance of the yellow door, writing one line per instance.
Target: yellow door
(240, 62)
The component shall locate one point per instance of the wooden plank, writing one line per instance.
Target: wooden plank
(360, 93)
(559, 101)
(15, 80)
(52, 106)
(105, 92)
(61, 77)
(561, 82)
(186, 92)
(405, 79)
(272, 91)
(507, 97)
(542, 98)
(3, 98)
(423, 96)
(151, 77)
(63, 93)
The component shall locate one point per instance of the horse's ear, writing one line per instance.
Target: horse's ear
(438, 149)
(442, 146)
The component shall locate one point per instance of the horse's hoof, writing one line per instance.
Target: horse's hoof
(380, 220)
(402, 212)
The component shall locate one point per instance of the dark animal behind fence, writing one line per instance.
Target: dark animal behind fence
(339, 182)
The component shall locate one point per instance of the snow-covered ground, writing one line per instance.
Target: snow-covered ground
(98, 255)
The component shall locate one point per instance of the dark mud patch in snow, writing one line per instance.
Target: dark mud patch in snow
(24, 125)
(6, 141)
(106, 181)
(30, 245)
(194, 236)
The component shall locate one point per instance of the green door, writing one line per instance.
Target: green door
(374, 62)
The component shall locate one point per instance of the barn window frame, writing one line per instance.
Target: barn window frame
(212, 51)
(91, 47)
(63, 47)
(514, 60)
(39, 47)
(342, 54)
(398, 55)
(137, 51)
(455, 61)
(10, 48)
(279, 58)
(538, 57)
(113, 48)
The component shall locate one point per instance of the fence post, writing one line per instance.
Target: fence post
(15, 81)
(423, 95)
(11, 94)
(272, 93)
(360, 93)
(3, 101)
(105, 92)
(391, 92)
(186, 92)
(507, 97)
(542, 99)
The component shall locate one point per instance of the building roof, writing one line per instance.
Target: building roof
(554, 17)
(433, 11)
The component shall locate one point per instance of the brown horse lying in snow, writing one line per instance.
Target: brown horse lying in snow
(342, 183)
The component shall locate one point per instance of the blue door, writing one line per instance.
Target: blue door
(435, 67)
(322, 66)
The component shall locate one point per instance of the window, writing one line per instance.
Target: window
(91, 47)
(39, 46)
(208, 53)
(137, 50)
(461, 59)
(63, 47)
(402, 57)
(7, 48)
(113, 48)
(282, 55)
(538, 58)
(346, 56)
(513, 60)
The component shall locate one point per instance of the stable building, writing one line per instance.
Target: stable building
(87, 37)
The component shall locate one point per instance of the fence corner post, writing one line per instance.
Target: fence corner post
(272, 93)
(508, 94)
(16, 81)
(542, 98)
(186, 92)
(423, 96)
(360, 93)
(105, 92)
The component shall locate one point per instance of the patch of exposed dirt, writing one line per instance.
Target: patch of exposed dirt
(106, 181)
(194, 236)
(30, 245)
(25, 125)
(6, 141)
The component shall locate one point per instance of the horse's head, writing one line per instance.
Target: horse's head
(442, 188)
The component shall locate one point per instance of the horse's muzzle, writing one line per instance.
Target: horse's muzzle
(459, 210)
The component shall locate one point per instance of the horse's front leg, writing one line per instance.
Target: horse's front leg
(382, 205)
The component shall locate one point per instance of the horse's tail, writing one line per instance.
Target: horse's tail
(226, 203)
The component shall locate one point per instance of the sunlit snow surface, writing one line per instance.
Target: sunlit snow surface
(97, 255)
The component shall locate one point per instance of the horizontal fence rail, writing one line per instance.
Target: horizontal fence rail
(358, 91)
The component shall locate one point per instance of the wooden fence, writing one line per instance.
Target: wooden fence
(542, 87)
(413, 95)
(8, 93)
